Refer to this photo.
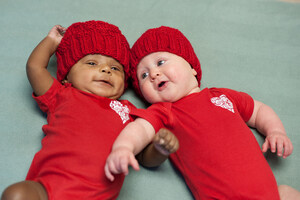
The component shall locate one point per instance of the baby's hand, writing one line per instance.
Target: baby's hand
(118, 162)
(165, 142)
(280, 142)
(57, 33)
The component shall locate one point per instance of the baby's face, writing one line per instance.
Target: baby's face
(98, 74)
(166, 77)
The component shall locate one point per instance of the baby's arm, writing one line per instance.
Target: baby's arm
(133, 138)
(163, 144)
(37, 73)
(266, 121)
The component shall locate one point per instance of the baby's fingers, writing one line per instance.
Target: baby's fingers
(173, 145)
(160, 137)
(272, 144)
(279, 147)
(61, 29)
(108, 174)
(134, 163)
(162, 133)
(288, 148)
(125, 162)
(265, 146)
(283, 146)
(123, 166)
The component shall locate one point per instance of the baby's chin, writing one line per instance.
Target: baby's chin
(151, 101)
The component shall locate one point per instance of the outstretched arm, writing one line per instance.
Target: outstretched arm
(133, 138)
(266, 121)
(163, 144)
(37, 73)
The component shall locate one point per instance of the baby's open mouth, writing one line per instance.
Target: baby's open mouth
(161, 84)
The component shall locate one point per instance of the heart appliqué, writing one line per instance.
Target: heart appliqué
(123, 111)
(223, 102)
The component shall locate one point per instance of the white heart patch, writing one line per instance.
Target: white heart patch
(123, 111)
(223, 102)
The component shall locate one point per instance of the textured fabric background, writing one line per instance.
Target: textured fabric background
(251, 46)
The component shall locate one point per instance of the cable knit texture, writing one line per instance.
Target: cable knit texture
(91, 37)
(162, 39)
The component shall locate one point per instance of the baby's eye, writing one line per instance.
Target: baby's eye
(144, 75)
(160, 62)
(91, 63)
(115, 68)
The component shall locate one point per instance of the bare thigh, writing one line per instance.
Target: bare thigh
(288, 193)
(25, 190)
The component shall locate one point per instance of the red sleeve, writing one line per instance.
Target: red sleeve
(159, 115)
(243, 102)
(131, 107)
(47, 101)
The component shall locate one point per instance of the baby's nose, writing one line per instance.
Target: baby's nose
(154, 73)
(105, 69)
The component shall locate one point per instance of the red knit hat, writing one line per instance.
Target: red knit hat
(162, 39)
(91, 37)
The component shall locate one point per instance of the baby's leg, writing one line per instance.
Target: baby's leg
(25, 190)
(288, 193)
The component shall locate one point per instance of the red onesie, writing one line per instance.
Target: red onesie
(78, 138)
(219, 156)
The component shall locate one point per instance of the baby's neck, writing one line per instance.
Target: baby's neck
(194, 90)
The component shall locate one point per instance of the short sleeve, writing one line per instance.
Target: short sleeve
(47, 101)
(131, 107)
(243, 101)
(159, 115)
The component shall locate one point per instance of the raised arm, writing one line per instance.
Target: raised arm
(266, 121)
(133, 138)
(37, 73)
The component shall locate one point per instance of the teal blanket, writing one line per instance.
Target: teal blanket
(251, 46)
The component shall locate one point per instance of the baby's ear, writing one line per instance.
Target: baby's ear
(194, 72)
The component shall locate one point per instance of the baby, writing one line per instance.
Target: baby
(219, 157)
(84, 114)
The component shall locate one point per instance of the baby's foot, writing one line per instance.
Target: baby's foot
(165, 142)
